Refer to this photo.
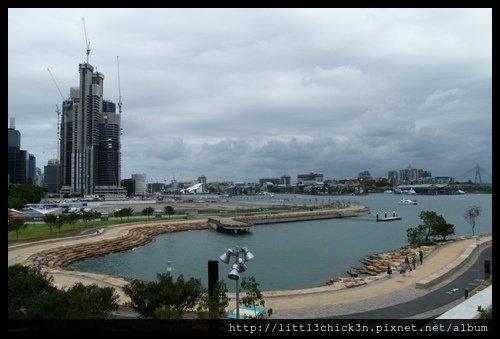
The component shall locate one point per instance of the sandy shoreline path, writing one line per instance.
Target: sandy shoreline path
(54, 252)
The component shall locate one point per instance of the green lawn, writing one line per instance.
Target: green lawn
(34, 232)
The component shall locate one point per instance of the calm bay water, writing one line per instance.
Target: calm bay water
(298, 254)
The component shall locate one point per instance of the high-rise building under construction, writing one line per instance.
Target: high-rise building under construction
(90, 137)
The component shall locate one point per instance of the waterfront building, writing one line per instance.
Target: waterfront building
(269, 181)
(412, 175)
(444, 180)
(285, 180)
(392, 176)
(365, 175)
(310, 178)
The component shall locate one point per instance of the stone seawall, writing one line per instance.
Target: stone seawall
(303, 216)
(138, 236)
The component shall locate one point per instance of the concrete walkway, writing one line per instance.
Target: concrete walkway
(379, 294)
(309, 303)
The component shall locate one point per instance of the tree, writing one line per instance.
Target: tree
(127, 212)
(90, 215)
(442, 228)
(20, 195)
(416, 235)
(25, 285)
(433, 224)
(169, 210)
(53, 220)
(471, 214)
(16, 224)
(32, 295)
(90, 302)
(148, 211)
(214, 306)
(87, 216)
(118, 213)
(253, 296)
(164, 298)
(71, 218)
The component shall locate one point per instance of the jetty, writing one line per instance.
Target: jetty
(229, 225)
(386, 218)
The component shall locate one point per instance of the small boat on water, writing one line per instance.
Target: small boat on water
(405, 201)
(388, 191)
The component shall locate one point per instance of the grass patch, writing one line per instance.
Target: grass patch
(36, 232)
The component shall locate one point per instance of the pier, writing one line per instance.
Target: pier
(386, 218)
(229, 225)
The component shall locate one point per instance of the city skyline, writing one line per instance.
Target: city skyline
(255, 93)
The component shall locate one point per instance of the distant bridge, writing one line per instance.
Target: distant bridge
(478, 171)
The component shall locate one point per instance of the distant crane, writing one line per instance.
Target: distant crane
(87, 43)
(58, 111)
(119, 89)
(55, 83)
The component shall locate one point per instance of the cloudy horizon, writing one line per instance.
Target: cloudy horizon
(243, 94)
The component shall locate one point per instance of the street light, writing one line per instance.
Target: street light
(478, 263)
(237, 268)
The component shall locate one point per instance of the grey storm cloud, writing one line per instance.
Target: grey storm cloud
(241, 94)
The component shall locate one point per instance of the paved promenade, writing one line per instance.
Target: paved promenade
(378, 294)
(306, 303)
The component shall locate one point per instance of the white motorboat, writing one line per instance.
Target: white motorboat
(405, 201)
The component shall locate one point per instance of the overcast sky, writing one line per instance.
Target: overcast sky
(243, 94)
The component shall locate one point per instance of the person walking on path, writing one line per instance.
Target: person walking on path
(414, 261)
(389, 270)
(421, 255)
(403, 269)
(407, 264)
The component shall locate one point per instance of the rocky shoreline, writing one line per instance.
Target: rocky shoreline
(374, 266)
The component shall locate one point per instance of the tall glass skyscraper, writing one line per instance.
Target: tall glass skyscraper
(90, 136)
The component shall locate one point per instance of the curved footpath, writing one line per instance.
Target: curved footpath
(304, 303)
(450, 261)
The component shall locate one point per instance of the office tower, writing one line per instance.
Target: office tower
(17, 159)
(90, 136)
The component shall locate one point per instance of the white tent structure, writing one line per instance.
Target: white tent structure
(195, 189)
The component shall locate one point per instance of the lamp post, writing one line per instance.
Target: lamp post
(478, 263)
(237, 268)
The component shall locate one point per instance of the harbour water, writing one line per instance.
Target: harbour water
(297, 254)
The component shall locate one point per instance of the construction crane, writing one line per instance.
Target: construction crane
(119, 89)
(58, 111)
(55, 83)
(87, 43)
